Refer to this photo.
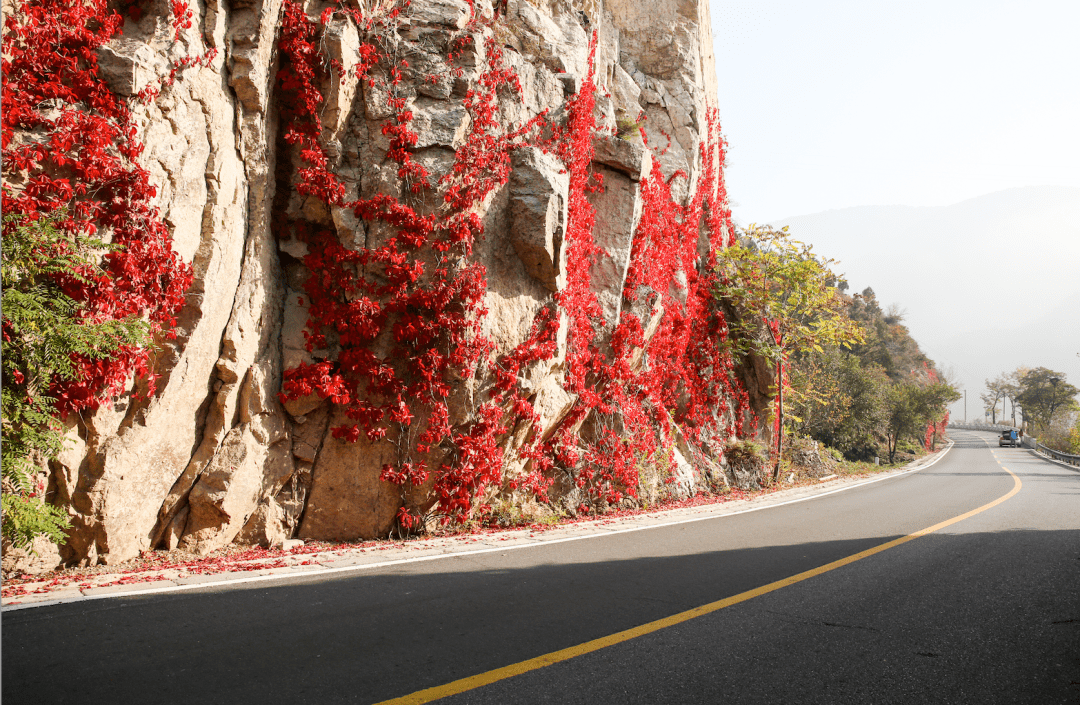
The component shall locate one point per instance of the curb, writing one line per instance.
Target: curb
(439, 548)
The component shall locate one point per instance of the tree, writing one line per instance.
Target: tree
(46, 334)
(767, 277)
(1042, 393)
(990, 402)
(888, 342)
(1002, 387)
(911, 406)
(789, 288)
(838, 400)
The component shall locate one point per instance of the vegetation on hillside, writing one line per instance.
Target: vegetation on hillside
(856, 379)
(786, 306)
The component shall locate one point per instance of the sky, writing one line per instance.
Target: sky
(843, 103)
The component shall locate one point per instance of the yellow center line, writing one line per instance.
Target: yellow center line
(472, 682)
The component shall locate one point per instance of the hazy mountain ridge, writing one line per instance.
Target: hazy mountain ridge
(988, 283)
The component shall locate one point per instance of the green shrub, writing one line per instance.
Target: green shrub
(746, 456)
(626, 127)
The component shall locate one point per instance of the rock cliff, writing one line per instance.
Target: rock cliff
(447, 256)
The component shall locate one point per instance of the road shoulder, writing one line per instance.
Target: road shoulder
(309, 561)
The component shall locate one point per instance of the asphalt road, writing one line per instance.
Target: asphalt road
(984, 610)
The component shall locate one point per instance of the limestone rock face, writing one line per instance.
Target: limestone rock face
(209, 152)
(618, 209)
(215, 457)
(538, 200)
(347, 500)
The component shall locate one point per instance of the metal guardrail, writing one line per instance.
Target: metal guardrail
(1057, 455)
(1025, 441)
(983, 427)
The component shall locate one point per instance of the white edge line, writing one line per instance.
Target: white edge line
(420, 559)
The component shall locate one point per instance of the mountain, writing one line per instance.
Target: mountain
(989, 283)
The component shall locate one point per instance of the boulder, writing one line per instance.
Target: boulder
(41, 556)
(448, 13)
(343, 43)
(267, 526)
(625, 92)
(439, 123)
(627, 156)
(129, 65)
(230, 488)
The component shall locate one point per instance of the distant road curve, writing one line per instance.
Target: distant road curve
(1027, 441)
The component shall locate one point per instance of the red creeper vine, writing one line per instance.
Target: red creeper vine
(70, 146)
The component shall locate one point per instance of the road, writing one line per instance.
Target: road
(985, 609)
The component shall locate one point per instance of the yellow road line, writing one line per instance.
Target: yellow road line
(482, 679)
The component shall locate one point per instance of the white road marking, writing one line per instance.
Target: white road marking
(418, 559)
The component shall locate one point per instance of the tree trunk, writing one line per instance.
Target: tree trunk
(780, 413)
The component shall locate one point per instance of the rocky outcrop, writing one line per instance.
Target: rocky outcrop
(215, 456)
(539, 189)
(618, 210)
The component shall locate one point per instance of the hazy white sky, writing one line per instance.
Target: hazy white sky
(842, 103)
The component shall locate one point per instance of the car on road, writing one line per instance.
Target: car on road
(1009, 438)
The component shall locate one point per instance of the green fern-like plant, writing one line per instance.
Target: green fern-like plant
(46, 334)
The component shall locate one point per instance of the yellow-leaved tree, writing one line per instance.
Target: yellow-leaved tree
(785, 301)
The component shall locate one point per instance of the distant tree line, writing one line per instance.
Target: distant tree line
(1047, 402)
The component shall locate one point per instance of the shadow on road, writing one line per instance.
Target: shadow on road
(370, 636)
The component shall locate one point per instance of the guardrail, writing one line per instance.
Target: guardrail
(1057, 455)
(983, 427)
(1025, 441)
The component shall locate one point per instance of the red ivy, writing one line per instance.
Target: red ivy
(421, 287)
(70, 145)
